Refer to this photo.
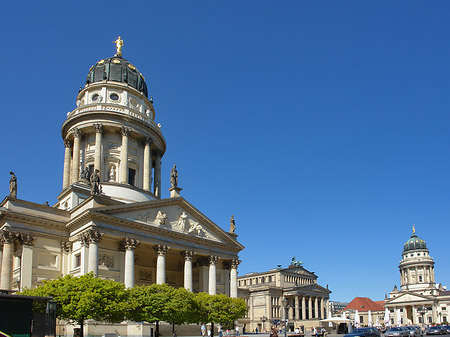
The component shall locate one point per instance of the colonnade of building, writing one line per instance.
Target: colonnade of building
(416, 317)
(90, 250)
(412, 275)
(306, 307)
(72, 159)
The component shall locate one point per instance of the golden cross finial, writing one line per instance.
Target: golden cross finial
(119, 44)
(414, 229)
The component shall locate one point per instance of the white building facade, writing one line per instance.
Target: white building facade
(420, 299)
(126, 232)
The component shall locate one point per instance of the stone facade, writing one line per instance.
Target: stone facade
(124, 231)
(307, 302)
(420, 299)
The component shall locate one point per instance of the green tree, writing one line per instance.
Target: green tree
(219, 309)
(85, 297)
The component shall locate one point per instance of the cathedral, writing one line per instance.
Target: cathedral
(110, 218)
(420, 300)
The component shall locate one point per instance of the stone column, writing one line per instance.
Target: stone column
(124, 155)
(98, 148)
(1, 257)
(26, 262)
(413, 310)
(212, 284)
(291, 313)
(297, 308)
(188, 255)
(157, 184)
(147, 181)
(67, 155)
(310, 307)
(93, 238)
(77, 135)
(405, 316)
(161, 250)
(129, 245)
(7, 259)
(434, 312)
(322, 307)
(303, 308)
(316, 307)
(233, 278)
(66, 248)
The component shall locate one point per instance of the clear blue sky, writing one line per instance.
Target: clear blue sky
(323, 126)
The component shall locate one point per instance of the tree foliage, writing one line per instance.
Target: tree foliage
(220, 308)
(85, 297)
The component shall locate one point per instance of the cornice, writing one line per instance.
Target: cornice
(30, 220)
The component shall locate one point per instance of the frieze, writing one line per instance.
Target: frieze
(106, 260)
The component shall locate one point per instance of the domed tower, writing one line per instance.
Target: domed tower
(112, 130)
(416, 266)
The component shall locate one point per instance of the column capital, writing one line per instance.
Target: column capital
(66, 246)
(148, 141)
(235, 263)
(129, 244)
(77, 133)
(213, 259)
(125, 131)
(161, 250)
(98, 128)
(8, 236)
(188, 255)
(67, 143)
(26, 239)
(91, 236)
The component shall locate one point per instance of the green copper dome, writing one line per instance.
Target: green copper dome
(414, 243)
(117, 69)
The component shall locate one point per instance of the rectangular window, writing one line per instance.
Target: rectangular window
(131, 176)
(444, 308)
(444, 318)
(420, 278)
(77, 260)
(420, 320)
(430, 319)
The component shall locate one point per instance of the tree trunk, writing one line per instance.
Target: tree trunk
(81, 322)
(173, 328)
(212, 329)
(157, 329)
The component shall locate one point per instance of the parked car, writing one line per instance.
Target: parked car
(447, 327)
(397, 332)
(436, 330)
(414, 331)
(364, 332)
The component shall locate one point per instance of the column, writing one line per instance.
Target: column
(434, 312)
(93, 238)
(413, 310)
(322, 307)
(212, 286)
(188, 255)
(297, 308)
(303, 308)
(405, 316)
(7, 259)
(291, 312)
(66, 248)
(26, 262)
(67, 155)
(147, 181)
(161, 251)
(1, 257)
(310, 307)
(77, 135)
(316, 307)
(129, 245)
(124, 156)
(233, 278)
(157, 184)
(98, 148)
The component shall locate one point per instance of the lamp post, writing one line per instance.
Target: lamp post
(422, 312)
(263, 320)
(285, 302)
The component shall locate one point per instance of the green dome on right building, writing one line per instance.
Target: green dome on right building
(414, 243)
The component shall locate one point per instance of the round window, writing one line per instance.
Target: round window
(133, 102)
(114, 97)
(95, 97)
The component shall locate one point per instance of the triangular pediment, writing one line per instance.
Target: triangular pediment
(299, 271)
(314, 288)
(408, 297)
(175, 215)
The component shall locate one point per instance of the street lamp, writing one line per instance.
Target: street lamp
(263, 320)
(422, 312)
(285, 302)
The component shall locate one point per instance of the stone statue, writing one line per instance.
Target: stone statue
(232, 224)
(161, 218)
(112, 174)
(84, 175)
(119, 44)
(174, 176)
(95, 182)
(183, 222)
(13, 185)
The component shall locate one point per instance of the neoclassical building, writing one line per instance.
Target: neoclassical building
(120, 229)
(420, 299)
(306, 301)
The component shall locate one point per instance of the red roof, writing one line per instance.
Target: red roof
(364, 304)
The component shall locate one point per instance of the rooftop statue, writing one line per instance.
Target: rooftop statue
(296, 263)
(13, 185)
(119, 44)
(174, 176)
(95, 182)
(232, 224)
